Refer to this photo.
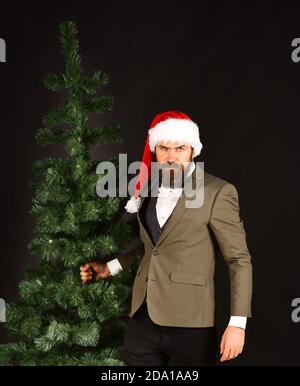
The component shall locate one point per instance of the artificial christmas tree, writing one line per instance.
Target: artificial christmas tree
(58, 320)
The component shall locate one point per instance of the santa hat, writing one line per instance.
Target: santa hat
(172, 126)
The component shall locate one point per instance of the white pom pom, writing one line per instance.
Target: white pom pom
(133, 204)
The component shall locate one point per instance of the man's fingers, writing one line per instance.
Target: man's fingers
(225, 355)
(85, 273)
(86, 276)
(231, 353)
(85, 267)
(234, 352)
(222, 344)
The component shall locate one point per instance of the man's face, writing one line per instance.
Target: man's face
(174, 157)
(177, 152)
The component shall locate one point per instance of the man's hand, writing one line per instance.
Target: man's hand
(100, 270)
(232, 343)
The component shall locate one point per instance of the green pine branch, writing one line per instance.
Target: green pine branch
(60, 320)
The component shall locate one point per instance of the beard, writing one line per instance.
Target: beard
(171, 175)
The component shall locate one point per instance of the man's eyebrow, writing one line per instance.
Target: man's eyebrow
(177, 147)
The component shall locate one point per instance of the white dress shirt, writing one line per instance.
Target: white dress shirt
(166, 201)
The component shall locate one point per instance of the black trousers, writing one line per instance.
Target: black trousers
(149, 344)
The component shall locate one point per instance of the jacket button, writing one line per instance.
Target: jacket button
(146, 278)
(155, 252)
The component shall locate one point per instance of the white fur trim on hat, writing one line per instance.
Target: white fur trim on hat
(176, 130)
(133, 204)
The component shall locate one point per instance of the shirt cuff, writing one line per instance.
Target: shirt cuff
(238, 321)
(114, 266)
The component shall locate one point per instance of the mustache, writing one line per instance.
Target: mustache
(173, 165)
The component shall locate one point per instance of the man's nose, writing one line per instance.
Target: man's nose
(171, 157)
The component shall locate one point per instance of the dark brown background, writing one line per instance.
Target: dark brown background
(230, 69)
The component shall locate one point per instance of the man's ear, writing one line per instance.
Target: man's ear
(193, 153)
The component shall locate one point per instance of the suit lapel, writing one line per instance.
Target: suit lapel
(142, 228)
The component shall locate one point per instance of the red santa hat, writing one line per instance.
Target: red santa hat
(172, 126)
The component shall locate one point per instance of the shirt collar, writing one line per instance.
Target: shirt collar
(191, 168)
